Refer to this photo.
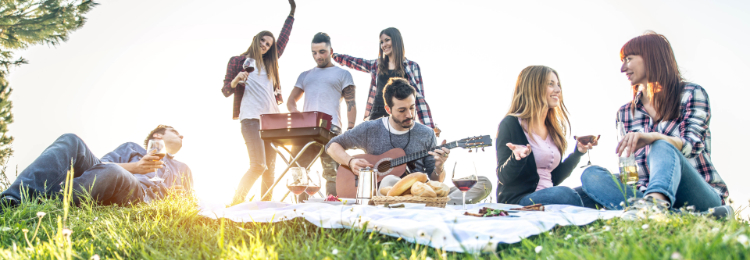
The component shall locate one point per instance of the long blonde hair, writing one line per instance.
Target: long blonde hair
(270, 60)
(530, 102)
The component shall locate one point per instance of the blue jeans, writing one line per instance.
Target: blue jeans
(262, 161)
(671, 175)
(107, 183)
(553, 195)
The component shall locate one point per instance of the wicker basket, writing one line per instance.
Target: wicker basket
(429, 202)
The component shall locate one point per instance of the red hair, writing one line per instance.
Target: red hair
(665, 82)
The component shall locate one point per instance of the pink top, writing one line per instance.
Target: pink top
(546, 156)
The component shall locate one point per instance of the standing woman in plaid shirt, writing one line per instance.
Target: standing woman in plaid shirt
(667, 126)
(256, 93)
(391, 62)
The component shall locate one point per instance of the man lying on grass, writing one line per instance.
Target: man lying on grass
(122, 176)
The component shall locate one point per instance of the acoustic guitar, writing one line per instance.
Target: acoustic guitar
(393, 162)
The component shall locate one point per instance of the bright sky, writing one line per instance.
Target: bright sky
(137, 64)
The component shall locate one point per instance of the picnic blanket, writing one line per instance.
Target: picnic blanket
(445, 228)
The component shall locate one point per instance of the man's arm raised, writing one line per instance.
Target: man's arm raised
(147, 164)
(351, 106)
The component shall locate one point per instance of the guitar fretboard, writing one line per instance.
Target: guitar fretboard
(419, 155)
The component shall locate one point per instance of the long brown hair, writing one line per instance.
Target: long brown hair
(398, 50)
(665, 83)
(270, 60)
(530, 103)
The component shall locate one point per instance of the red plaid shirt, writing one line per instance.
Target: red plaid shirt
(691, 127)
(413, 75)
(234, 67)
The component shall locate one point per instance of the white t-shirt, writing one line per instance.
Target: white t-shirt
(323, 87)
(259, 96)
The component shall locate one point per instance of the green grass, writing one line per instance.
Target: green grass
(171, 229)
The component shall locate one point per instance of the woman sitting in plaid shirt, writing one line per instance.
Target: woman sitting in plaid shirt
(391, 62)
(667, 127)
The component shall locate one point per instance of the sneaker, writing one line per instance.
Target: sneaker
(720, 212)
(646, 207)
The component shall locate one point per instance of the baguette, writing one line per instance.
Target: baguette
(405, 183)
(384, 190)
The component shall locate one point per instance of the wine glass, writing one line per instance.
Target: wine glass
(298, 183)
(313, 185)
(158, 148)
(626, 162)
(586, 139)
(464, 182)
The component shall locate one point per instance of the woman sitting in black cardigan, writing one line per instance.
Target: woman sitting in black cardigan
(531, 139)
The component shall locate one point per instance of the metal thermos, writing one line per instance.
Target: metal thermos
(366, 185)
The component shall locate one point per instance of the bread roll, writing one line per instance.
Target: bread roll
(405, 183)
(384, 190)
(407, 192)
(444, 190)
(441, 189)
(422, 190)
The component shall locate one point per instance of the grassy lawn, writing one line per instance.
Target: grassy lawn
(171, 229)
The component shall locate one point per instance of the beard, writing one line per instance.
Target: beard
(406, 123)
(324, 64)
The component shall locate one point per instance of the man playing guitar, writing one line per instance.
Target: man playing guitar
(396, 131)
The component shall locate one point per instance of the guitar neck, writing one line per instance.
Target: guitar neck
(419, 155)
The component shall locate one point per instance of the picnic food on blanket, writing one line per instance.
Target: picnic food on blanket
(422, 190)
(332, 198)
(385, 190)
(488, 212)
(535, 207)
(405, 183)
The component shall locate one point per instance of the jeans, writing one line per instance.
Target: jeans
(107, 183)
(262, 161)
(329, 166)
(671, 175)
(552, 195)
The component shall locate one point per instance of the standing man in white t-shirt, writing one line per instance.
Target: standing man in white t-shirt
(324, 87)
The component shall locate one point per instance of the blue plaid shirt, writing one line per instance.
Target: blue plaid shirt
(691, 127)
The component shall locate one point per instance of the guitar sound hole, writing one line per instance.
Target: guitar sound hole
(384, 166)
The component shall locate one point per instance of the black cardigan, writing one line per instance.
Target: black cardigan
(517, 178)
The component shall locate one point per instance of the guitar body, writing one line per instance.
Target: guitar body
(345, 182)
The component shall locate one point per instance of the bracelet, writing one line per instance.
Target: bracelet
(350, 162)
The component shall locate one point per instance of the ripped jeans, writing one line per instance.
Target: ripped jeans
(262, 161)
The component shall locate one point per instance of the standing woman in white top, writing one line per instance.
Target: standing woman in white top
(258, 99)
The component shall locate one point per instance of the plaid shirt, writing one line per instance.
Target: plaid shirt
(691, 127)
(234, 67)
(413, 75)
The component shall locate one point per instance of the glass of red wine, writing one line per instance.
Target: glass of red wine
(586, 139)
(298, 182)
(248, 66)
(464, 182)
(158, 148)
(313, 185)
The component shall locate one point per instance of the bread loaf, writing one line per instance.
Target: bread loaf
(405, 183)
(422, 190)
(441, 189)
(384, 190)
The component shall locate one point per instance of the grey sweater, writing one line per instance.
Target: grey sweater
(374, 138)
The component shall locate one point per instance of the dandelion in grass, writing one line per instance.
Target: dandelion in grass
(40, 214)
(428, 258)
(606, 228)
(591, 228)
(25, 230)
(67, 232)
(538, 249)
(645, 226)
(95, 257)
(742, 239)
(335, 251)
(676, 256)
(569, 236)
(714, 230)
(4, 229)
(622, 204)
